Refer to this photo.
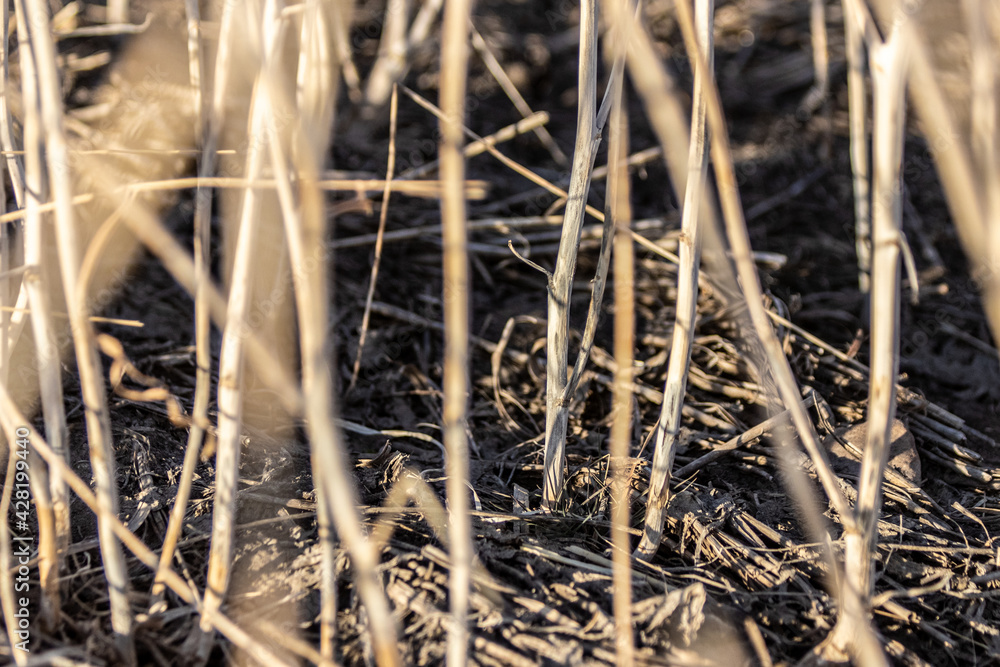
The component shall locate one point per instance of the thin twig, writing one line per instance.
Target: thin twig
(514, 95)
(472, 149)
(379, 235)
(506, 161)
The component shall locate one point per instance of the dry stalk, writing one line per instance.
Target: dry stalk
(620, 211)
(561, 280)
(340, 30)
(958, 174)
(608, 235)
(117, 11)
(10, 326)
(306, 231)
(858, 111)
(659, 93)
(669, 425)
(426, 189)
(15, 168)
(196, 63)
(317, 71)
(37, 284)
(6, 234)
(985, 151)
(34, 20)
(888, 68)
(231, 359)
(208, 132)
(379, 235)
(52, 501)
(202, 219)
(454, 66)
(746, 270)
